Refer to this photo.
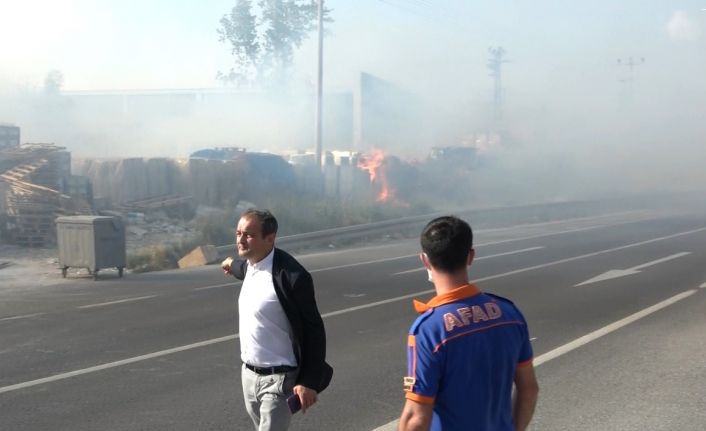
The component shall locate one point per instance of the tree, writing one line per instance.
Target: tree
(240, 29)
(263, 47)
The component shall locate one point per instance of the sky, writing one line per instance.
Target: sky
(132, 44)
(568, 94)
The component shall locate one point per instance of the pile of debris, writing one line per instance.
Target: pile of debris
(153, 229)
(34, 178)
(177, 206)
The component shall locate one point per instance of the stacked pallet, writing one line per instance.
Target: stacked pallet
(34, 174)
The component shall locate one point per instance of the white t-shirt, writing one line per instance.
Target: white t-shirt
(265, 332)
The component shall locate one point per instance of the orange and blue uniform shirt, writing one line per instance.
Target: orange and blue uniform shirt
(462, 353)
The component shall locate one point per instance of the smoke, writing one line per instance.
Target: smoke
(574, 121)
(681, 27)
(159, 123)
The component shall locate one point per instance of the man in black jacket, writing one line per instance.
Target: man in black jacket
(282, 336)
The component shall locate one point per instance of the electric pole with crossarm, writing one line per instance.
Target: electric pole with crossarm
(630, 63)
(495, 63)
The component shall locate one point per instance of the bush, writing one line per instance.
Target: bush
(215, 229)
(295, 214)
(159, 257)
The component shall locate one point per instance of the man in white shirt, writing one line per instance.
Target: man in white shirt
(282, 336)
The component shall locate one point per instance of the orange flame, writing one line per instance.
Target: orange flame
(373, 163)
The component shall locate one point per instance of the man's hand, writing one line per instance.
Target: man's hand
(307, 396)
(416, 416)
(226, 264)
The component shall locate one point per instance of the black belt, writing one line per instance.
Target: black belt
(266, 371)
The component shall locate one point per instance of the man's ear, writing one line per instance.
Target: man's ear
(271, 237)
(425, 260)
(471, 255)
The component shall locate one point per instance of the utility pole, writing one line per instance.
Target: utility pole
(630, 63)
(495, 62)
(319, 86)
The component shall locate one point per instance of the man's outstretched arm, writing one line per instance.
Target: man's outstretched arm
(526, 394)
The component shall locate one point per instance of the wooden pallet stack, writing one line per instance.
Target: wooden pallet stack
(33, 200)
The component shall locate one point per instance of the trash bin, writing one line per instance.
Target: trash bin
(92, 242)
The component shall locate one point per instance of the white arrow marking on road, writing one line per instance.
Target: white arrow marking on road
(616, 273)
(356, 308)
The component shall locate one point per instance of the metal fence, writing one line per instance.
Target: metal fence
(485, 217)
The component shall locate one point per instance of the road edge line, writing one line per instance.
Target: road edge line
(591, 336)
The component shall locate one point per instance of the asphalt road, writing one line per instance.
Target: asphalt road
(159, 351)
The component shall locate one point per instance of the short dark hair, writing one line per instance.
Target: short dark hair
(266, 219)
(447, 241)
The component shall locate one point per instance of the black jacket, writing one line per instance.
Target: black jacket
(295, 291)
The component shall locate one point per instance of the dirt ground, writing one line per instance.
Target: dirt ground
(36, 267)
(29, 268)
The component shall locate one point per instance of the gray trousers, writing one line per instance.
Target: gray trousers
(266, 399)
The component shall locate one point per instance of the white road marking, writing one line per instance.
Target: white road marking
(217, 285)
(581, 341)
(478, 258)
(25, 316)
(542, 235)
(103, 304)
(170, 351)
(566, 348)
(524, 250)
(635, 216)
(115, 364)
(583, 256)
(375, 304)
(503, 241)
(367, 262)
(703, 286)
(349, 265)
(617, 273)
(334, 313)
(664, 259)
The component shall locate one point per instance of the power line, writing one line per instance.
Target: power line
(426, 10)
